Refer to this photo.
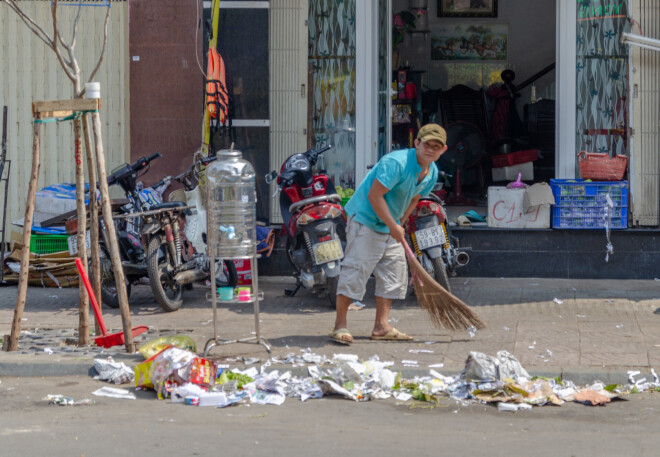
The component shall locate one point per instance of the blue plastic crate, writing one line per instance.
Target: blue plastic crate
(581, 204)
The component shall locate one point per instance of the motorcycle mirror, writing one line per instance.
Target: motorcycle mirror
(270, 177)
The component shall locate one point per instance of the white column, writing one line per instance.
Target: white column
(565, 117)
(366, 87)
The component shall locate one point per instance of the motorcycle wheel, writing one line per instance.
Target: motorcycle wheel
(332, 291)
(109, 295)
(167, 293)
(228, 277)
(440, 273)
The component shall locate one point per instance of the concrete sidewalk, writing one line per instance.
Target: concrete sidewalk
(581, 329)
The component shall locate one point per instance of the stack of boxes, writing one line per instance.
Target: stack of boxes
(507, 166)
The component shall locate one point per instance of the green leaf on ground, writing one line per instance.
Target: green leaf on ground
(556, 379)
(241, 379)
(397, 382)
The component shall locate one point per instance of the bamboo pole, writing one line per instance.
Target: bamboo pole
(94, 216)
(112, 235)
(12, 344)
(83, 300)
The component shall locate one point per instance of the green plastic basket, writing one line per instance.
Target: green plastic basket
(47, 244)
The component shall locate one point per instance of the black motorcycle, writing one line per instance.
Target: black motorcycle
(128, 229)
(131, 250)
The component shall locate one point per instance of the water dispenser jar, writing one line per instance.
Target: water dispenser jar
(231, 205)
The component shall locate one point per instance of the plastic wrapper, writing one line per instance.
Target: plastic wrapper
(141, 372)
(61, 400)
(180, 393)
(114, 393)
(356, 381)
(512, 406)
(510, 367)
(222, 399)
(261, 397)
(305, 358)
(153, 347)
(111, 371)
(483, 367)
(202, 372)
(303, 388)
(170, 369)
(272, 382)
(540, 392)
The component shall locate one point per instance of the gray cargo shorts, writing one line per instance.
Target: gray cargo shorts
(370, 252)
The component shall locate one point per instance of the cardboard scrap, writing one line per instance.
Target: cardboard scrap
(48, 270)
(538, 194)
(591, 397)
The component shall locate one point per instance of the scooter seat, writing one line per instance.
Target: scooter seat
(168, 205)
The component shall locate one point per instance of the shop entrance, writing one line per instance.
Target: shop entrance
(486, 72)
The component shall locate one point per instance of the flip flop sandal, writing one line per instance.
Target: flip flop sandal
(463, 221)
(393, 335)
(342, 336)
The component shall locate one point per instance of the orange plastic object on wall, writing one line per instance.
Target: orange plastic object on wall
(217, 96)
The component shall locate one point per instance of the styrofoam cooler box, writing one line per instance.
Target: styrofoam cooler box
(511, 173)
(244, 270)
(506, 210)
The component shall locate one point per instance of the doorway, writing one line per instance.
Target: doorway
(448, 69)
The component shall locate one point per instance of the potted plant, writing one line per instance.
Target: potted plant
(402, 23)
(421, 18)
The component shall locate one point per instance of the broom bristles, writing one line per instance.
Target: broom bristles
(444, 308)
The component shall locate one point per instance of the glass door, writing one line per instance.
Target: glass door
(373, 82)
(384, 41)
(332, 48)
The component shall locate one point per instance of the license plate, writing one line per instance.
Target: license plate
(429, 237)
(72, 242)
(327, 251)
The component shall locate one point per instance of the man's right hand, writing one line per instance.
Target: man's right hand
(398, 233)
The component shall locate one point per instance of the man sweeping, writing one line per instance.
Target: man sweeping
(375, 235)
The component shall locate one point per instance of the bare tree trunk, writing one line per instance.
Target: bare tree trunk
(83, 301)
(94, 216)
(23, 276)
(112, 237)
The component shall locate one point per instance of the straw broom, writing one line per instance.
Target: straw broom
(443, 307)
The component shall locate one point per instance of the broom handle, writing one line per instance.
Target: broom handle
(409, 253)
(412, 258)
(92, 296)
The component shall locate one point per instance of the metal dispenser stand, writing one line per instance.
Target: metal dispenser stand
(253, 298)
(231, 232)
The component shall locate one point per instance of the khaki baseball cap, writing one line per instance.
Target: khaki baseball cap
(432, 132)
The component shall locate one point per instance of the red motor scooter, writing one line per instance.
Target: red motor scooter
(428, 231)
(314, 221)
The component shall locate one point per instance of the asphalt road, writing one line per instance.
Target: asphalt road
(331, 426)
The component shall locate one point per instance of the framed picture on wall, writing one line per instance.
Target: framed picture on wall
(467, 8)
(470, 41)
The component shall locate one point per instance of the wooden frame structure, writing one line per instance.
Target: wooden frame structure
(76, 109)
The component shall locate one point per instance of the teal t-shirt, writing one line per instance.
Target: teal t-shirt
(398, 171)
